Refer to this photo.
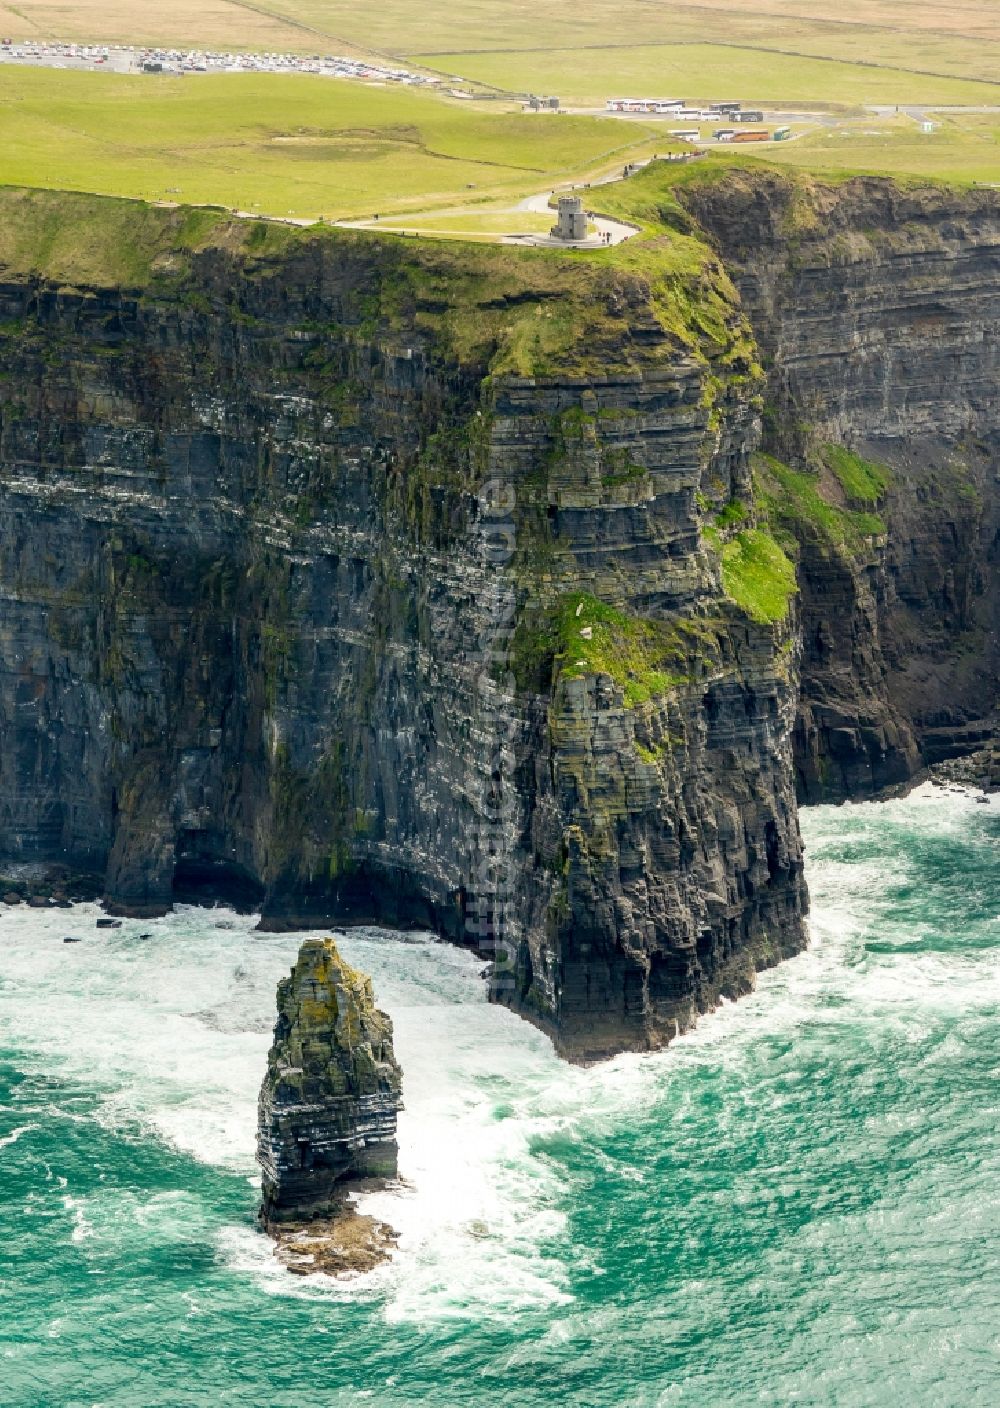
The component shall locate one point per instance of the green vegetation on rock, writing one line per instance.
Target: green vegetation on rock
(333, 1087)
(758, 576)
(863, 481)
(583, 636)
(793, 502)
(733, 513)
(758, 573)
(691, 292)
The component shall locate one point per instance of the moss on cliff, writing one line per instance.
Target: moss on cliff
(830, 505)
(594, 638)
(581, 635)
(796, 502)
(864, 483)
(789, 505)
(758, 576)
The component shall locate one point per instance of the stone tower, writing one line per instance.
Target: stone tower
(572, 222)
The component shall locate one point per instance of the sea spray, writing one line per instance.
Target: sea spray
(795, 1202)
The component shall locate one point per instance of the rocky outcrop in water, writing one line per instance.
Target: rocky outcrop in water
(328, 1104)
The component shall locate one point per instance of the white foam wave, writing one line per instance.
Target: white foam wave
(173, 1030)
(82, 1228)
(251, 1254)
(156, 1027)
(16, 1134)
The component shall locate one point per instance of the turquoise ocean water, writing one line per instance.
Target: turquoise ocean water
(799, 1203)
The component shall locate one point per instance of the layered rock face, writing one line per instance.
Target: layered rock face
(877, 310)
(359, 580)
(289, 546)
(328, 1104)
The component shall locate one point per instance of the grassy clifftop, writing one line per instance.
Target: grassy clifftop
(507, 310)
(66, 238)
(521, 311)
(289, 144)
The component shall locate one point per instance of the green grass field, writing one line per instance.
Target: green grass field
(704, 72)
(965, 149)
(302, 147)
(962, 40)
(920, 35)
(209, 23)
(286, 145)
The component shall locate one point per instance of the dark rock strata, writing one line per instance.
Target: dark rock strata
(328, 1104)
(877, 310)
(294, 545)
(281, 560)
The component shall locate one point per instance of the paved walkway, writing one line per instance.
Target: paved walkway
(607, 232)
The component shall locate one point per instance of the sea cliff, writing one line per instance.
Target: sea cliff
(490, 590)
(876, 308)
(328, 1104)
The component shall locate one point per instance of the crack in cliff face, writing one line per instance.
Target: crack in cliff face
(260, 526)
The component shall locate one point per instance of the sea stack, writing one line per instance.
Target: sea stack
(328, 1105)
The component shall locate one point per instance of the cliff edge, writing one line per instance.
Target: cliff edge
(510, 594)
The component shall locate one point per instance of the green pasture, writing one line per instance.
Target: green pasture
(704, 72)
(964, 148)
(919, 35)
(305, 147)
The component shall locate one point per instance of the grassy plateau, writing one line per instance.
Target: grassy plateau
(702, 72)
(920, 35)
(286, 145)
